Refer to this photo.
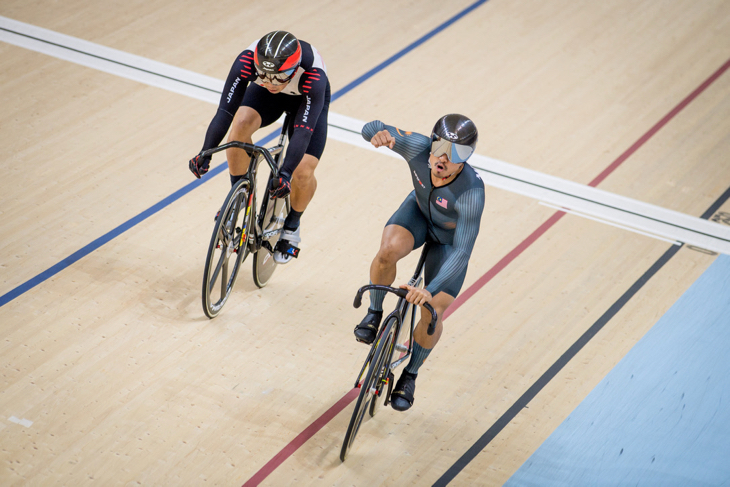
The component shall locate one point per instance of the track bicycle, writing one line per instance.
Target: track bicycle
(391, 347)
(239, 230)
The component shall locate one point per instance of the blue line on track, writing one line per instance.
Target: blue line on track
(83, 252)
(408, 49)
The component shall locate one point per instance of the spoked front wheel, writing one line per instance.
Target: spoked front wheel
(272, 224)
(372, 386)
(227, 249)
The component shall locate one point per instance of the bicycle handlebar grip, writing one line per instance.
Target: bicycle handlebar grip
(361, 291)
(240, 145)
(431, 326)
(358, 299)
(250, 148)
(399, 292)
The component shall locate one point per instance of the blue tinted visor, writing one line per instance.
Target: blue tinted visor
(455, 152)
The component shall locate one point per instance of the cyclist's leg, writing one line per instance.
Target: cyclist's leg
(403, 393)
(259, 108)
(439, 302)
(304, 182)
(396, 243)
(405, 231)
(303, 187)
(437, 255)
(245, 123)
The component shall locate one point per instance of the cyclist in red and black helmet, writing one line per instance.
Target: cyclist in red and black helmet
(277, 73)
(277, 57)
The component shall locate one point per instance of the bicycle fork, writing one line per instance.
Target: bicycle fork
(389, 381)
(245, 219)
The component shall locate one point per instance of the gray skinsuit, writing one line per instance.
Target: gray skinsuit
(447, 216)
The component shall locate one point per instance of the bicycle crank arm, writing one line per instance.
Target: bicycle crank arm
(270, 233)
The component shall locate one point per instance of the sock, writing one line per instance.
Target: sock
(417, 358)
(376, 299)
(235, 179)
(292, 220)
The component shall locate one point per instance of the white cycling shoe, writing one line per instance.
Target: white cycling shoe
(286, 248)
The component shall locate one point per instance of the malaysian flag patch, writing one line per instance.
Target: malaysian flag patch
(442, 202)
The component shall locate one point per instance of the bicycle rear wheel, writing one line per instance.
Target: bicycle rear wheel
(369, 388)
(273, 213)
(227, 249)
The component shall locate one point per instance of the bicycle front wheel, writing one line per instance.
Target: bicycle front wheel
(372, 386)
(272, 223)
(384, 381)
(228, 248)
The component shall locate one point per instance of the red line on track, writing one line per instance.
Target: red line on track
(320, 422)
(661, 123)
(302, 438)
(497, 268)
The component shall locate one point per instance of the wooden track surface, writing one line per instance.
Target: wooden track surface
(124, 379)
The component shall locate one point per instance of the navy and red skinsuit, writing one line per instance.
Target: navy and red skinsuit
(309, 86)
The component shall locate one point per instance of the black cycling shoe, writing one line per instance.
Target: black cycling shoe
(402, 396)
(368, 328)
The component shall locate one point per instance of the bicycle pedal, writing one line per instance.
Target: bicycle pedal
(400, 347)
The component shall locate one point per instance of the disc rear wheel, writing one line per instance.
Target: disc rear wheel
(273, 214)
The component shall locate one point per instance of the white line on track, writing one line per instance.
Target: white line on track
(623, 227)
(574, 198)
(26, 423)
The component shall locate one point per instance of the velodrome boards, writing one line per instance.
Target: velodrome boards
(112, 375)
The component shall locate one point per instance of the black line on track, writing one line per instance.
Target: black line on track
(343, 128)
(607, 205)
(568, 355)
(111, 60)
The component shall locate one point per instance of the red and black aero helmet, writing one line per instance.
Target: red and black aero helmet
(277, 57)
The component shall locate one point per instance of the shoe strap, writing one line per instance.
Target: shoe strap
(285, 247)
